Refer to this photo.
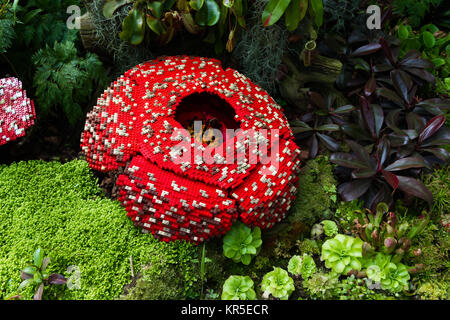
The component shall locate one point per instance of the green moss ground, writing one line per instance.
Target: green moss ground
(316, 195)
(60, 208)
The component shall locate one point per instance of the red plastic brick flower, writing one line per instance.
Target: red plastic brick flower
(194, 135)
(16, 110)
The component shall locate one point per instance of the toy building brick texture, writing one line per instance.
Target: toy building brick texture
(140, 121)
(16, 110)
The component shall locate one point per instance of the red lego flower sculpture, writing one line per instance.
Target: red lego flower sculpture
(16, 110)
(190, 131)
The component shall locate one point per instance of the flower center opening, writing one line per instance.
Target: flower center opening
(202, 114)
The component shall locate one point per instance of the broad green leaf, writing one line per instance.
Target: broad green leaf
(240, 8)
(273, 11)
(430, 27)
(428, 39)
(438, 62)
(294, 14)
(189, 24)
(196, 4)
(30, 270)
(246, 259)
(157, 8)
(45, 264)
(155, 25)
(111, 6)
(133, 27)
(38, 257)
(209, 14)
(403, 32)
(25, 283)
(317, 8)
(14, 6)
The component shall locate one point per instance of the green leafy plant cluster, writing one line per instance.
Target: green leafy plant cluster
(327, 228)
(7, 33)
(316, 195)
(238, 288)
(304, 266)
(340, 14)
(45, 54)
(308, 246)
(37, 23)
(161, 281)
(60, 208)
(42, 22)
(352, 288)
(393, 276)
(382, 232)
(277, 284)
(159, 21)
(330, 228)
(347, 212)
(415, 10)
(342, 254)
(434, 290)
(294, 11)
(36, 275)
(242, 243)
(65, 79)
(327, 286)
(434, 45)
(433, 242)
(439, 184)
(321, 286)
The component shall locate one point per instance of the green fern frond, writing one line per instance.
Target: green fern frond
(64, 79)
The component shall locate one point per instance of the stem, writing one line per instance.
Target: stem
(132, 268)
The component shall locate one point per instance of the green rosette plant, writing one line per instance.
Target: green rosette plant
(278, 284)
(238, 288)
(242, 243)
(295, 265)
(304, 266)
(330, 228)
(342, 253)
(393, 277)
(308, 267)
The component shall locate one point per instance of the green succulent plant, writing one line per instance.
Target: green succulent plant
(321, 286)
(330, 228)
(392, 276)
(396, 277)
(295, 265)
(278, 284)
(242, 243)
(304, 266)
(238, 288)
(308, 267)
(342, 253)
(374, 273)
